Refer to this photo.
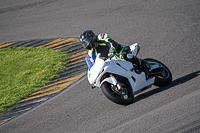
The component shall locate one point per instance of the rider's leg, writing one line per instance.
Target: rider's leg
(125, 54)
(137, 61)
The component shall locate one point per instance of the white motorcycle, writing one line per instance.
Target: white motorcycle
(121, 80)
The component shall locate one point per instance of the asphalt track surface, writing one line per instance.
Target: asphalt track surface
(166, 30)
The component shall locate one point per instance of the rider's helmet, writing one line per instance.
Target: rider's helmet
(88, 38)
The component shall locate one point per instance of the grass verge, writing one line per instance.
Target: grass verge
(24, 70)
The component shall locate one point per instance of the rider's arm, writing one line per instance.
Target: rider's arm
(114, 47)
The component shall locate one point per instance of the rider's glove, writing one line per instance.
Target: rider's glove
(125, 51)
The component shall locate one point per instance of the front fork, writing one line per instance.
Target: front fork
(115, 85)
(112, 80)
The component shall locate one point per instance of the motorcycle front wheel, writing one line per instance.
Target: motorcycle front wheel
(118, 97)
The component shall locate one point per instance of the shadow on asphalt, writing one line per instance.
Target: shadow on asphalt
(176, 82)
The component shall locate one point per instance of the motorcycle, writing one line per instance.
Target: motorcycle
(121, 80)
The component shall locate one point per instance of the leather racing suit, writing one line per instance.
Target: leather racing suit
(108, 48)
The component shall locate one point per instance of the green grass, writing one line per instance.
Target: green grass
(24, 70)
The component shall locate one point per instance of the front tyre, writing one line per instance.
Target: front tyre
(115, 97)
(164, 78)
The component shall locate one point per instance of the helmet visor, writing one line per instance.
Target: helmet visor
(86, 42)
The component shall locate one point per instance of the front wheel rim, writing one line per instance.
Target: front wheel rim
(122, 96)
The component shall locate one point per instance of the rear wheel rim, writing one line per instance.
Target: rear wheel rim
(164, 74)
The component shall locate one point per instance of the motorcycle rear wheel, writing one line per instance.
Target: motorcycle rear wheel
(163, 79)
(116, 98)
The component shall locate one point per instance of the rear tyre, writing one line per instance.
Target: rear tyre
(117, 98)
(163, 79)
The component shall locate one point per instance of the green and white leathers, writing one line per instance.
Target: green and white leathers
(107, 47)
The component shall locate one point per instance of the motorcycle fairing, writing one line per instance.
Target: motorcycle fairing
(123, 68)
(95, 70)
(90, 61)
(140, 81)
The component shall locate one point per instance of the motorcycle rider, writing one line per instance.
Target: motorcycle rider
(108, 48)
